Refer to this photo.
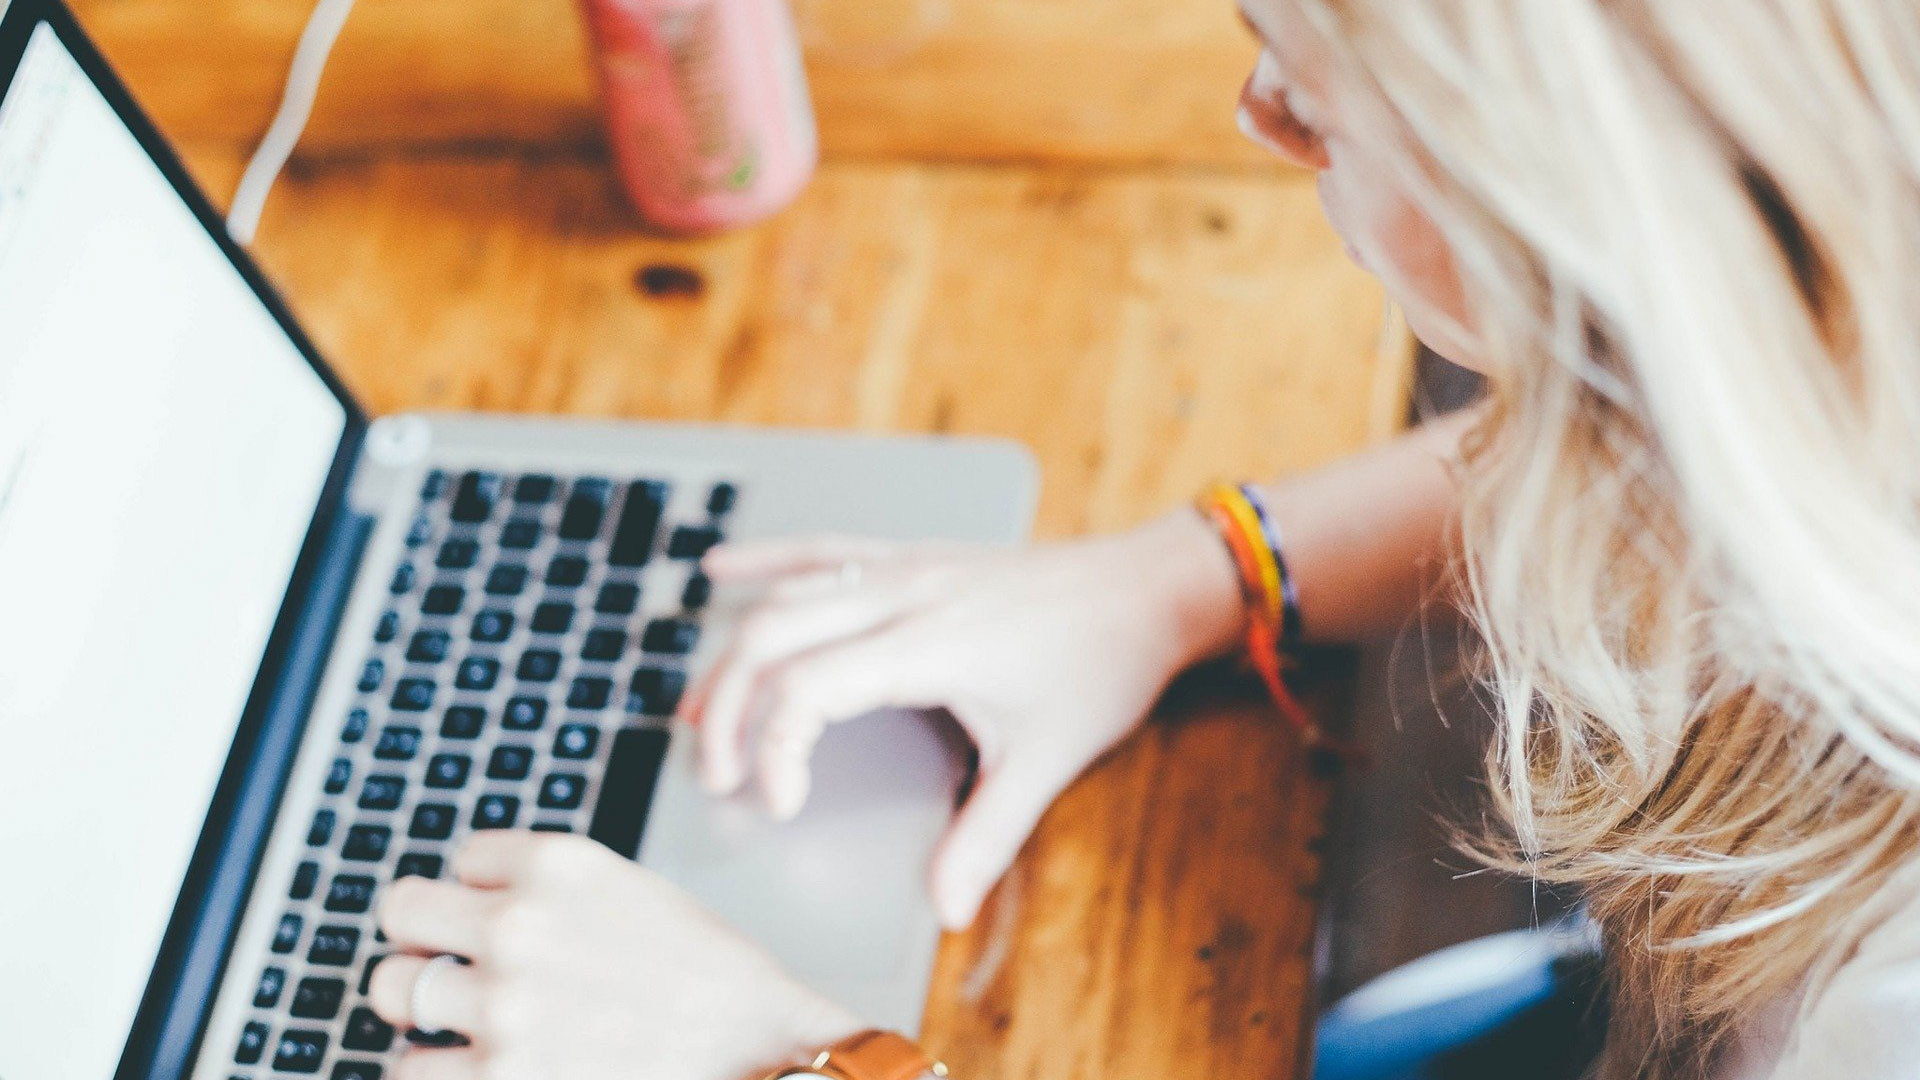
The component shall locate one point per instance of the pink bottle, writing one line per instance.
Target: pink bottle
(707, 107)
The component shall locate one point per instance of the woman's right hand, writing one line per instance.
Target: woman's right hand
(1047, 657)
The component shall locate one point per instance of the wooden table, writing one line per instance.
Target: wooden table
(1034, 219)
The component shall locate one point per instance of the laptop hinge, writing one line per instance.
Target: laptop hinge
(177, 1012)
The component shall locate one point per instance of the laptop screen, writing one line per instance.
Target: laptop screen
(163, 446)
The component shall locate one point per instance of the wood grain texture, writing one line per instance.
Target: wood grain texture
(1117, 81)
(1144, 333)
(1160, 923)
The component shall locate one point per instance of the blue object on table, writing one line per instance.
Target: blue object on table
(1409, 1023)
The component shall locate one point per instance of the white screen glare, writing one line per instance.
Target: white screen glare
(163, 445)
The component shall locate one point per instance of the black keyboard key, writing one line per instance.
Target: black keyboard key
(355, 728)
(429, 646)
(355, 1070)
(338, 774)
(585, 511)
(510, 763)
(383, 792)
(286, 936)
(420, 531)
(519, 534)
(626, 790)
(434, 486)
(634, 536)
(448, 771)
(306, 878)
(334, 946)
(387, 628)
(371, 676)
(617, 598)
(692, 541)
(492, 626)
(300, 1051)
(566, 571)
(699, 590)
(266, 992)
(477, 673)
(350, 894)
(507, 579)
(253, 1044)
(366, 1032)
(533, 489)
(436, 1039)
(366, 843)
(551, 827)
(459, 553)
(656, 691)
(403, 579)
(443, 599)
(366, 979)
(495, 812)
(720, 500)
(413, 695)
(562, 791)
(552, 617)
(589, 692)
(398, 742)
(318, 999)
(670, 636)
(604, 644)
(418, 864)
(433, 821)
(524, 714)
(463, 722)
(474, 496)
(320, 833)
(575, 741)
(538, 665)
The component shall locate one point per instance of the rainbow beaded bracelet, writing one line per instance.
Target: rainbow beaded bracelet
(1252, 538)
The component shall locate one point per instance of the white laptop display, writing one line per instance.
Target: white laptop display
(258, 655)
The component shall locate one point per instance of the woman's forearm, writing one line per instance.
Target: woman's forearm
(1364, 539)
(1366, 536)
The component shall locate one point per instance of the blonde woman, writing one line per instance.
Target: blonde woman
(1682, 239)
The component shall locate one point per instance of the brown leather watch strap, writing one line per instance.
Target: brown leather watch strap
(881, 1055)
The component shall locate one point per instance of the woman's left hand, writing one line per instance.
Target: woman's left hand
(584, 967)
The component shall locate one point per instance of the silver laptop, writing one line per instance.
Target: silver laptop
(260, 655)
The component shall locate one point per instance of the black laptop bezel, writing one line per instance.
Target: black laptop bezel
(179, 991)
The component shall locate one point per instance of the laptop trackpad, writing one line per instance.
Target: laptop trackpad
(839, 893)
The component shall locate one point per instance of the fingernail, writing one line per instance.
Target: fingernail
(787, 793)
(1252, 130)
(954, 900)
(721, 778)
(954, 912)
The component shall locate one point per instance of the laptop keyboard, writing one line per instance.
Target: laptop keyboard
(520, 677)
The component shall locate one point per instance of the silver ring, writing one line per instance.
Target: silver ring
(850, 574)
(421, 983)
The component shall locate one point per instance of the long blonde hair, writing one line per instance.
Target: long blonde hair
(1689, 234)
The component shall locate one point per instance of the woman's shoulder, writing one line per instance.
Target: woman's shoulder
(1858, 1017)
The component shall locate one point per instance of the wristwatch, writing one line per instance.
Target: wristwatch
(870, 1055)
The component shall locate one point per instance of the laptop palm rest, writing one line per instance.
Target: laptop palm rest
(839, 893)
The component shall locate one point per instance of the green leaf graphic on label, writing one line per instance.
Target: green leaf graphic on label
(743, 173)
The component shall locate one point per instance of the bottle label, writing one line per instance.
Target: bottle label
(724, 157)
(707, 106)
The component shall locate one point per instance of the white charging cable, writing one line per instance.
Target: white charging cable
(296, 105)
